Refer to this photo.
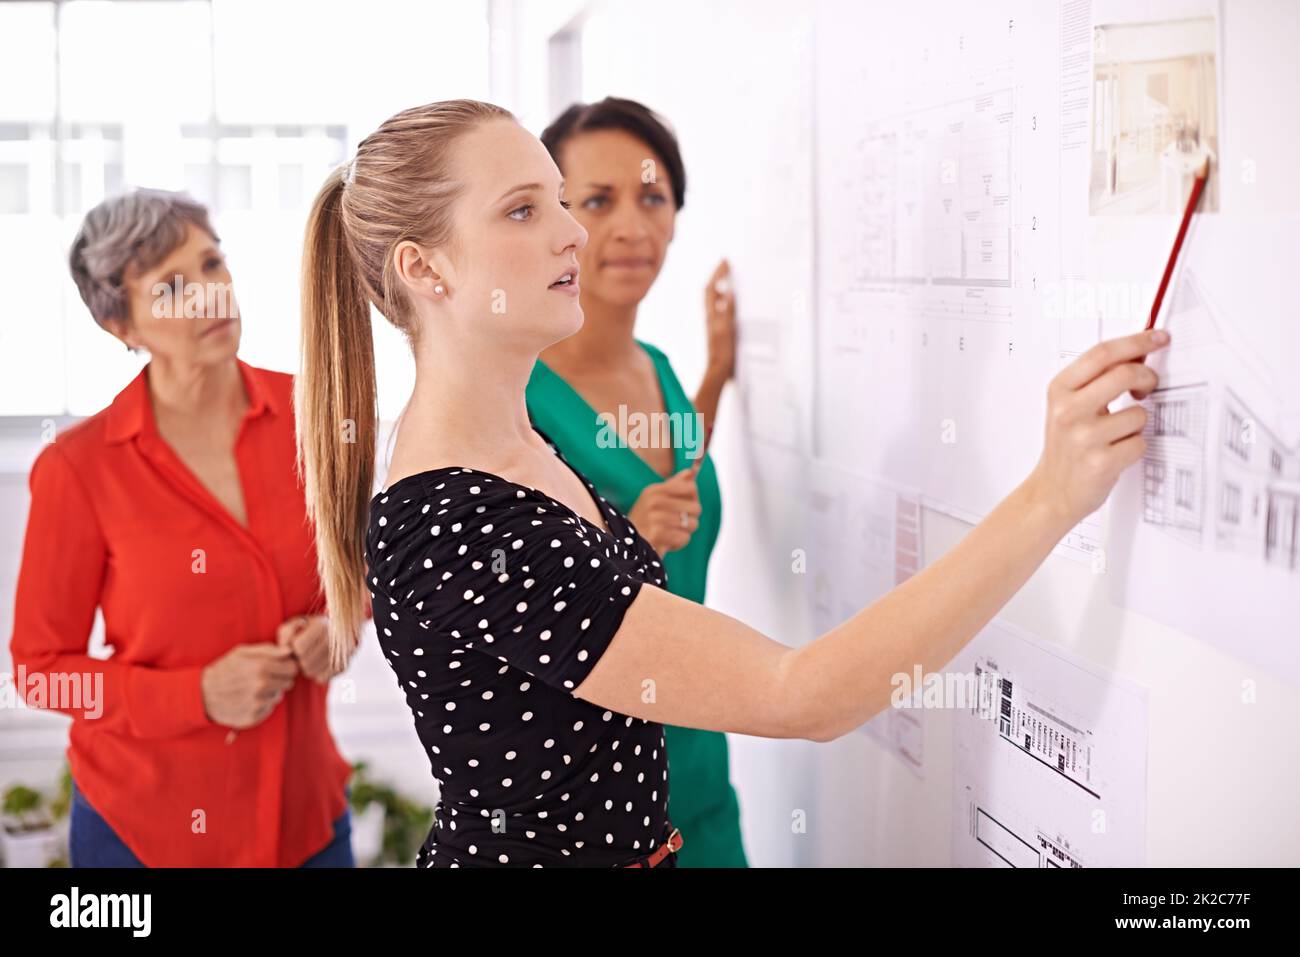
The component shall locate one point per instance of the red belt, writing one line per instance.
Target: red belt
(654, 859)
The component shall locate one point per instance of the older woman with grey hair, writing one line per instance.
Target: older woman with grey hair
(177, 512)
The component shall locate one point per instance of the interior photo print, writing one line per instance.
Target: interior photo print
(743, 437)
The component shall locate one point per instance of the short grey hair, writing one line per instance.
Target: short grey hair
(139, 228)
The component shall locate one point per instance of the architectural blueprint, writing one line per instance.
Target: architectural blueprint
(1049, 762)
(866, 538)
(1214, 509)
(943, 245)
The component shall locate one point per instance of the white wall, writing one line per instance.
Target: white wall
(1222, 775)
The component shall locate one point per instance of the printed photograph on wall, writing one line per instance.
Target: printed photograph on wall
(1155, 116)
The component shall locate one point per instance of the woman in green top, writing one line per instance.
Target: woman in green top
(614, 407)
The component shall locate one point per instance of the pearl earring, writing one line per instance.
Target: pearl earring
(438, 290)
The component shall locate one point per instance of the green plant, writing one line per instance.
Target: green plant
(26, 808)
(406, 822)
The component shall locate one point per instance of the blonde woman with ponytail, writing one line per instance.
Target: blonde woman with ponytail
(509, 598)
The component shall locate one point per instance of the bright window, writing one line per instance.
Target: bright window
(247, 105)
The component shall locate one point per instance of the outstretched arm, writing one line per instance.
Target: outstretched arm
(679, 663)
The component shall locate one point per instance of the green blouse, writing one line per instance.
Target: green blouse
(701, 801)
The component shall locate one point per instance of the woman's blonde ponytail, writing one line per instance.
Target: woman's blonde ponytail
(336, 414)
(399, 187)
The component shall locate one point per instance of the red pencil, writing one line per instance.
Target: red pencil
(1197, 188)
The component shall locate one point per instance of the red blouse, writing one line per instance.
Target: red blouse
(119, 522)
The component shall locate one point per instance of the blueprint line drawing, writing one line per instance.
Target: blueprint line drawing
(866, 538)
(1205, 534)
(1173, 469)
(1218, 473)
(937, 194)
(900, 732)
(907, 537)
(1050, 762)
(937, 238)
(1250, 472)
(1014, 851)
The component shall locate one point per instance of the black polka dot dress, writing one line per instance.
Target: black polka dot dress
(492, 603)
